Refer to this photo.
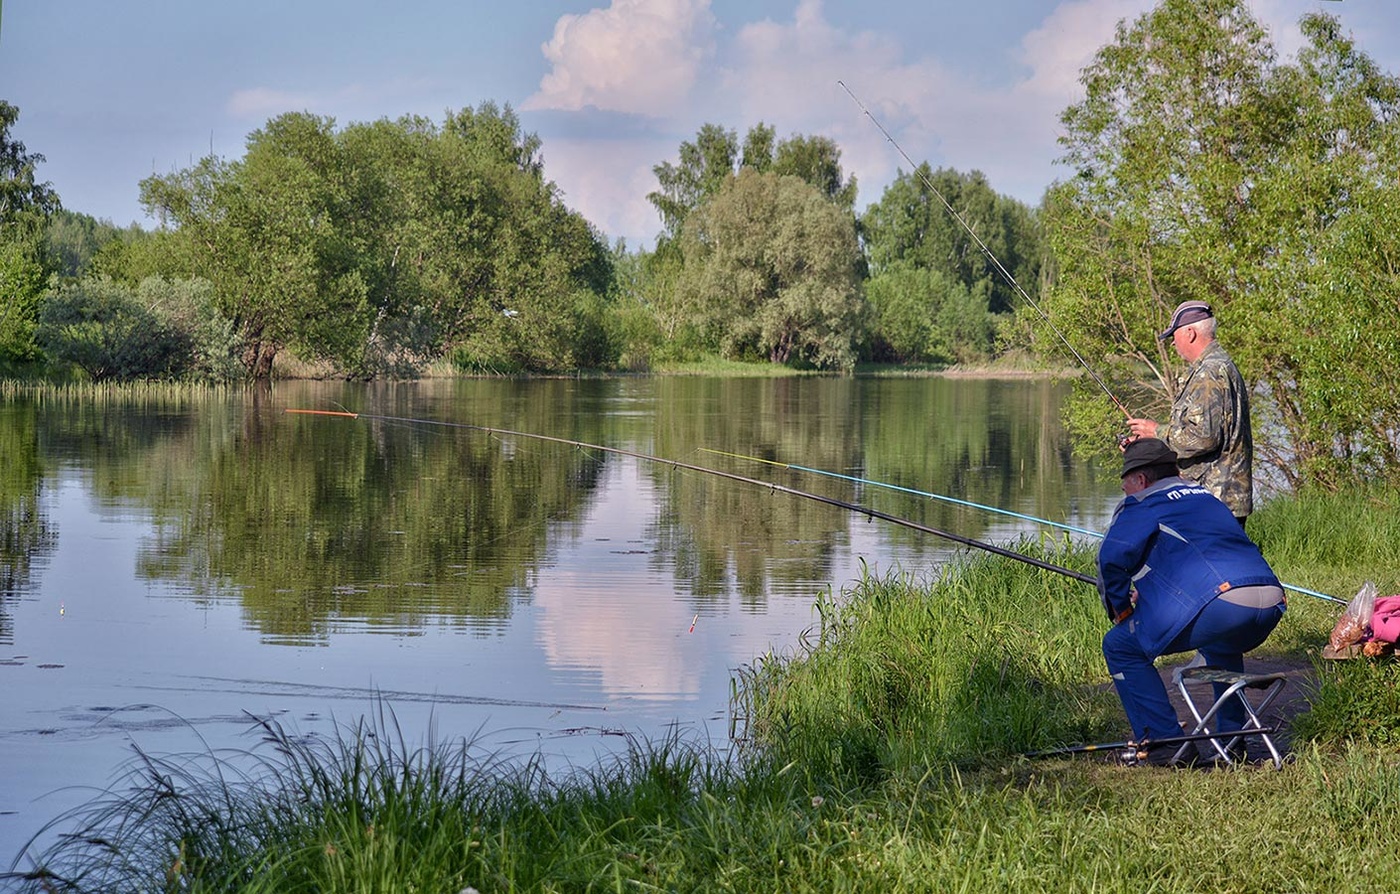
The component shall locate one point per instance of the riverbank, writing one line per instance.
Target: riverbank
(884, 755)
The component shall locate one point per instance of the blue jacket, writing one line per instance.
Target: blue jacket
(1180, 547)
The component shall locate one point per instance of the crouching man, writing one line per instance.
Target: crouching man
(1176, 573)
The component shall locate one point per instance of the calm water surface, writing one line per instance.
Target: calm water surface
(172, 564)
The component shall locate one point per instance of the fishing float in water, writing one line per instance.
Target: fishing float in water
(772, 487)
(968, 503)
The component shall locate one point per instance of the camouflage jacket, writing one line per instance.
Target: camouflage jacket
(1209, 430)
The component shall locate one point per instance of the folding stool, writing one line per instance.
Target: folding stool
(1238, 686)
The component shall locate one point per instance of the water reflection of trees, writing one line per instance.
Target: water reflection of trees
(992, 442)
(307, 521)
(26, 535)
(720, 533)
(325, 518)
(998, 443)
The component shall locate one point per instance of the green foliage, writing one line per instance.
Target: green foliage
(702, 169)
(76, 240)
(102, 328)
(22, 281)
(919, 315)
(911, 226)
(706, 164)
(382, 246)
(993, 658)
(1205, 169)
(770, 271)
(25, 263)
(187, 307)
(23, 199)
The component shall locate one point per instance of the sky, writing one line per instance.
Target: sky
(112, 92)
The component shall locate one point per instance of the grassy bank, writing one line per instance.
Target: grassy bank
(883, 755)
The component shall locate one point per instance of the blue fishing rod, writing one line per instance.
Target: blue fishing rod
(907, 490)
(968, 503)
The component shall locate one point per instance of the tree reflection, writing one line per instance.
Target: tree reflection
(26, 535)
(313, 522)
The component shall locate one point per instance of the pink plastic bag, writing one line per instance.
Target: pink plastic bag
(1385, 621)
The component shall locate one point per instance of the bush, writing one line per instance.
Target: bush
(99, 326)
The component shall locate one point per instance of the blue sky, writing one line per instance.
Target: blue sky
(110, 91)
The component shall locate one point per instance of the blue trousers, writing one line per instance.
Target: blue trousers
(1222, 633)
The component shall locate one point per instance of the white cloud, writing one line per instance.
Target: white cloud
(607, 182)
(636, 56)
(258, 103)
(785, 73)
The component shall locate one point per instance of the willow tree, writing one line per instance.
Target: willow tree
(380, 246)
(1204, 168)
(771, 272)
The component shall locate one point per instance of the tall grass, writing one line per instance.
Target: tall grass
(993, 658)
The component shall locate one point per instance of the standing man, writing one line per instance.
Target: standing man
(1209, 428)
(1176, 572)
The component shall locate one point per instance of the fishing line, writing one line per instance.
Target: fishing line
(770, 486)
(988, 252)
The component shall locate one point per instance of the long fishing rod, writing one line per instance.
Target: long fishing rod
(675, 464)
(968, 503)
(906, 490)
(1148, 743)
(992, 257)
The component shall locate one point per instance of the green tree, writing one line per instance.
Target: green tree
(815, 160)
(25, 264)
(21, 194)
(75, 239)
(770, 272)
(911, 225)
(701, 171)
(384, 245)
(99, 326)
(1205, 169)
(706, 164)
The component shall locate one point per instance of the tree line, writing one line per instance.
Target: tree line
(379, 248)
(1198, 166)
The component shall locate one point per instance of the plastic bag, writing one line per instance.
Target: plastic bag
(1355, 623)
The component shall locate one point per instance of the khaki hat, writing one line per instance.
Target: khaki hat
(1146, 452)
(1186, 313)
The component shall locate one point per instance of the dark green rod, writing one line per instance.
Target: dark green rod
(830, 501)
(1148, 743)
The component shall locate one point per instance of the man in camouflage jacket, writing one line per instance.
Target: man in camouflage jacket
(1209, 427)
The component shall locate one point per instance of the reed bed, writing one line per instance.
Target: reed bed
(881, 755)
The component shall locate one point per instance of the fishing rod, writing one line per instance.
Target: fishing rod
(992, 257)
(1149, 743)
(968, 503)
(906, 490)
(675, 464)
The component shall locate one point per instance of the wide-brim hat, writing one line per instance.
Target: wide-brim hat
(1146, 452)
(1186, 313)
